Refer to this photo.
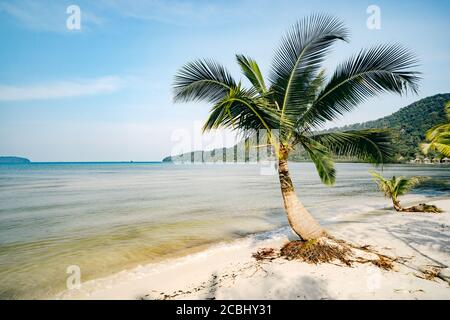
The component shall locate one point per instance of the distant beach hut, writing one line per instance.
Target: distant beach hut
(436, 160)
(446, 160)
(416, 160)
(426, 160)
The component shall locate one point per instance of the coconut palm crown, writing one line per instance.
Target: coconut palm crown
(395, 187)
(298, 98)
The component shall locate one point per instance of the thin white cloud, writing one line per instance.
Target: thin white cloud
(171, 11)
(61, 89)
(48, 16)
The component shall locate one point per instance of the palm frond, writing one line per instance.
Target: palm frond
(425, 147)
(251, 70)
(373, 145)
(377, 176)
(385, 185)
(437, 131)
(403, 185)
(384, 68)
(202, 80)
(310, 94)
(241, 110)
(301, 52)
(443, 148)
(438, 137)
(440, 147)
(396, 186)
(321, 159)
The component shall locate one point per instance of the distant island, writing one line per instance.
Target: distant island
(408, 126)
(14, 160)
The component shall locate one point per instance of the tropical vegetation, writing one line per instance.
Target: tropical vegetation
(298, 98)
(398, 186)
(408, 125)
(438, 137)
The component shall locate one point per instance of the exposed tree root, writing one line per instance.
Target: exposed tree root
(327, 250)
(423, 207)
(321, 250)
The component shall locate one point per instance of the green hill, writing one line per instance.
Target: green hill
(408, 126)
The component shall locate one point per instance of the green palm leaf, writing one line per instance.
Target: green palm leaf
(439, 137)
(396, 186)
(383, 184)
(251, 70)
(373, 145)
(301, 52)
(202, 80)
(240, 110)
(441, 147)
(404, 185)
(384, 68)
(321, 158)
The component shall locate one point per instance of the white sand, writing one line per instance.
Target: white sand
(228, 271)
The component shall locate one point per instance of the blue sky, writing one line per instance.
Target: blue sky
(103, 93)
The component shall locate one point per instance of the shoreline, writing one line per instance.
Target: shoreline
(228, 271)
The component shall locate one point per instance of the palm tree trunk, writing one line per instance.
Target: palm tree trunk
(397, 205)
(300, 220)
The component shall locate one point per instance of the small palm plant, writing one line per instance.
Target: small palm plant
(299, 98)
(438, 137)
(398, 186)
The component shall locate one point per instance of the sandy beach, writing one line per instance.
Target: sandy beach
(419, 241)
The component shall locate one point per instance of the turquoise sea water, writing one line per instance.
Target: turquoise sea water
(105, 217)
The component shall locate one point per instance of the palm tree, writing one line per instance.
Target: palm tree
(438, 137)
(298, 99)
(398, 186)
(395, 187)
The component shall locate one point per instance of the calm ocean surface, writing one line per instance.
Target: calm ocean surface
(106, 217)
